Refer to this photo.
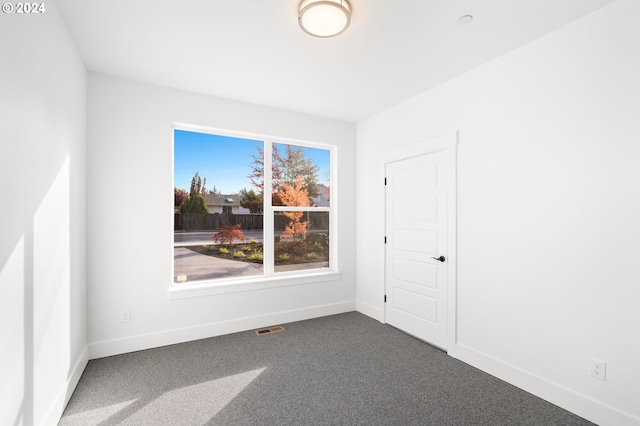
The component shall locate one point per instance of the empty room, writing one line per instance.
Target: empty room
(421, 212)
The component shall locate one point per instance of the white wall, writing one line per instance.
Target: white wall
(130, 168)
(548, 211)
(42, 249)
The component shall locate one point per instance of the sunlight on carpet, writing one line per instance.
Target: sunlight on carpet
(195, 404)
(97, 415)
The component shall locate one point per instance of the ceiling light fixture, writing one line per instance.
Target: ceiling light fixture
(465, 19)
(324, 18)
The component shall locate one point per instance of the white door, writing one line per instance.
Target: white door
(416, 238)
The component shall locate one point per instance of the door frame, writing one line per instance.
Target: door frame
(448, 143)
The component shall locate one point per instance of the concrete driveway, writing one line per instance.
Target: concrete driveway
(198, 266)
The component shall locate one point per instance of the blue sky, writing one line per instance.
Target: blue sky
(225, 161)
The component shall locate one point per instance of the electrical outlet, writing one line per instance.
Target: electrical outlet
(598, 369)
(125, 315)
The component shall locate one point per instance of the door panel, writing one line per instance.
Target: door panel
(416, 209)
(428, 177)
(417, 273)
(416, 228)
(422, 241)
(421, 307)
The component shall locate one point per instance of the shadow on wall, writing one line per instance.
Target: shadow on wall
(35, 323)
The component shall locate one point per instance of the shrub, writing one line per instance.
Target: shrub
(318, 237)
(256, 255)
(312, 255)
(223, 250)
(238, 254)
(252, 241)
(283, 256)
(246, 248)
(227, 234)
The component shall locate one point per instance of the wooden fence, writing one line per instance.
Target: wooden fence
(212, 222)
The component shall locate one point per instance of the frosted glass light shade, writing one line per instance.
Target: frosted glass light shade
(324, 18)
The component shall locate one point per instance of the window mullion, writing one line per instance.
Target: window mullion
(268, 225)
(300, 209)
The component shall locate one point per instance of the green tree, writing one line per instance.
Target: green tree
(292, 164)
(198, 185)
(195, 202)
(251, 200)
(214, 191)
(257, 174)
(285, 169)
(257, 169)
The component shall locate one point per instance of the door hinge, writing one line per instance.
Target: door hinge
(385, 240)
(385, 298)
(385, 181)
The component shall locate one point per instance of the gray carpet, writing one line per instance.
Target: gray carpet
(340, 370)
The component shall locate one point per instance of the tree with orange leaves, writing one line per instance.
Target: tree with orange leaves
(298, 197)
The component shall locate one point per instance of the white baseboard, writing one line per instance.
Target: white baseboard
(369, 310)
(581, 405)
(170, 337)
(54, 413)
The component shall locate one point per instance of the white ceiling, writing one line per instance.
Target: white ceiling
(254, 51)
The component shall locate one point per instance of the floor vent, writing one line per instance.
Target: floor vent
(269, 330)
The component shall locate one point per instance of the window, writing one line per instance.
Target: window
(301, 225)
(250, 208)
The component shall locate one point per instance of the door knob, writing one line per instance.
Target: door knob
(441, 258)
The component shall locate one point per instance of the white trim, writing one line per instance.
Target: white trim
(170, 337)
(57, 407)
(452, 235)
(370, 310)
(333, 203)
(421, 147)
(280, 279)
(447, 142)
(575, 402)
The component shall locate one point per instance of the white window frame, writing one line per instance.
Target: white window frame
(270, 279)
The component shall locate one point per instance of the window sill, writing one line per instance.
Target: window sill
(210, 288)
